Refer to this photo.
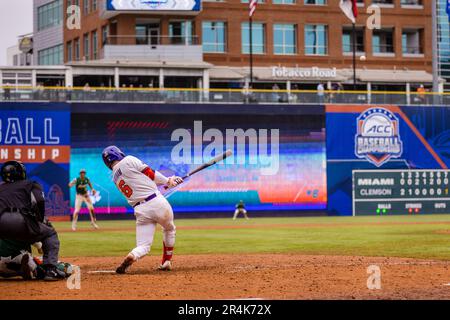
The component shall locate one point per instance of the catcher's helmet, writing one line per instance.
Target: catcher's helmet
(13, 171)
(111, 154)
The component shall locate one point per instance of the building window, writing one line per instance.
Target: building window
(411, 2)
(347, 39)
(258, 38)
(94, 5)
(214, 36)
(105, 35)
(320, 2)
(86, 49)
(383, 41)
(283, 1)
(77, 49)
(95, 45)
(49, 15)
(411, 41)
(383, 2)
(86, 6)
(181, 32)
(69, 51)
(284, 39)
(316, 39)
(51, 56)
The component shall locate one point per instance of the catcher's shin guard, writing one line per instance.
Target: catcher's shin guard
(25, 269)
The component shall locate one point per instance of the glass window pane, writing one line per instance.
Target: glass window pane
(258, 38)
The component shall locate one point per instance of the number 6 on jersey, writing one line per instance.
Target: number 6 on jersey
(125, 189)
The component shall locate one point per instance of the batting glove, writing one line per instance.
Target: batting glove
(174, 181)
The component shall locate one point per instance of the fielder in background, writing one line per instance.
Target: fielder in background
(139, 184)
(240, 208)
(81, 183)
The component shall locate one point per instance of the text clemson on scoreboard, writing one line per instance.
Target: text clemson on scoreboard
(20, 140)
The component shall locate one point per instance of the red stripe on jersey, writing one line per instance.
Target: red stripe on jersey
(149, 173)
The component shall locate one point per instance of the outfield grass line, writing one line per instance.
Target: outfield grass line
(422, 237)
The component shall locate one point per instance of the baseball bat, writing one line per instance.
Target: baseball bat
(208, 164)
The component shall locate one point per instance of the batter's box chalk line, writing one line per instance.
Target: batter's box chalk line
(101, 271)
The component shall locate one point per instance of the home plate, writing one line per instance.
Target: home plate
(102, 271)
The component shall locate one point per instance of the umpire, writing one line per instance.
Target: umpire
(22, 215)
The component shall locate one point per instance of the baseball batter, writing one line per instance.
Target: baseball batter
(139, 184)
(81, 183)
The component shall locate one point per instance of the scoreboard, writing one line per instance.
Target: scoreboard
(383, 192)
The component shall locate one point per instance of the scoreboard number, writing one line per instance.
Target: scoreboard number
(378, 192)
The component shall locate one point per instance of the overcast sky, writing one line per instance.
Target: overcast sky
(16, 18)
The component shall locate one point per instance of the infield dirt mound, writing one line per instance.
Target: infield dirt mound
(265, 276)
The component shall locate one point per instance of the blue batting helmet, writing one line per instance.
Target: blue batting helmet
(111, 154)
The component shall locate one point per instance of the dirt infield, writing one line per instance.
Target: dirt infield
(265, 276)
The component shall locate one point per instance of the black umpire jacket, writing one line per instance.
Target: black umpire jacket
(25, 196)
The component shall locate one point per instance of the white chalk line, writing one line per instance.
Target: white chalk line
(102, 271)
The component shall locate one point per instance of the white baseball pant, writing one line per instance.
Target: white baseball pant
(148, 214)
(79, 199)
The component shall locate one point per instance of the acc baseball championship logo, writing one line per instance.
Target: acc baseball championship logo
(377, 138)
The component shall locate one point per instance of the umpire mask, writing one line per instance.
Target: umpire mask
(13, 171)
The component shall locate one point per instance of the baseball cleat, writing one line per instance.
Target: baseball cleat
(126, 264)
(25, 270)
(96, 227)
(166, 266)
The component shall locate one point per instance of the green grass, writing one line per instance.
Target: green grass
(322, 235)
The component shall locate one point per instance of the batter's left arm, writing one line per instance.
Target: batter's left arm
(156, 176)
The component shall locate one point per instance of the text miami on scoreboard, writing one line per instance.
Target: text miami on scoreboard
(401, 191)
(35, 136)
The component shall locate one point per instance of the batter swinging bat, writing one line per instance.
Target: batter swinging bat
(208, 164)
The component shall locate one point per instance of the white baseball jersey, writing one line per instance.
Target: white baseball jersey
(136, 180)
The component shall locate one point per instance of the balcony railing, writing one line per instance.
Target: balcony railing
(152, 40)
(160, 48)
(234, 96)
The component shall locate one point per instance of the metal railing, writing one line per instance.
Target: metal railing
(235, 96)
(152, 40)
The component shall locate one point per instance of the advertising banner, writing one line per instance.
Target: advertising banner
(153, 5)
(278, 161)
(39, 138)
